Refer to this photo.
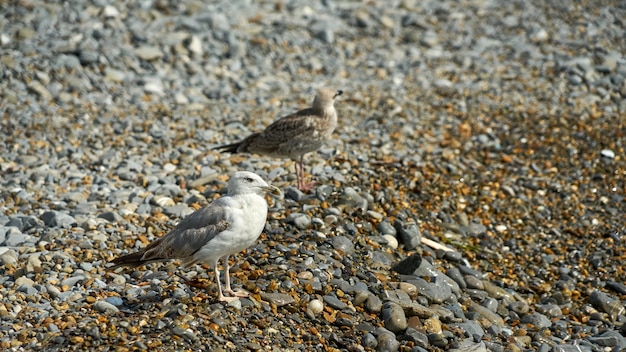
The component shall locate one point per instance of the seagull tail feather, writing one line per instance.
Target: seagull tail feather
(132, 260)
(228, 148)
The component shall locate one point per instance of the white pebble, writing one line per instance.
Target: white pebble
(392, 241)
(195, 45)
(110, 12)
(607, 153)
(500, 228)
(169, 167)
(235, 304)
(315, 306)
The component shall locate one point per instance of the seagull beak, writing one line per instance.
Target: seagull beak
(273, 190)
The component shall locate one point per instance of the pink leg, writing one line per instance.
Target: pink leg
(235, 294)
(221, 296)
(305, 187)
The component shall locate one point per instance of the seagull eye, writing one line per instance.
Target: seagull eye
(248, 179)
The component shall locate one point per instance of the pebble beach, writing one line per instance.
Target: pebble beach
(473, 197)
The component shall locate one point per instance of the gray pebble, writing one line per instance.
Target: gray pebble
(408, 233)
(473, 282)
(301, 221)
(343, 244)
(14, 238)
(373, 304)
(472, 329)
(538, 321)
(278, 299)
(408, 265)
(369, 341)
(385, 228)
(105, 307)
(114, 300)
(334, 302)
(607, 304)
(386, 341)
(72, 281)
(519, 307)
(393, 317)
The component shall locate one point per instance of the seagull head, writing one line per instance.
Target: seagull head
(245, 182)
(325, 98)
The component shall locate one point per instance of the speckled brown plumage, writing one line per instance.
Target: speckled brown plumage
(294, 135)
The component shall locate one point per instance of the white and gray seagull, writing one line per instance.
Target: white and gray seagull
(227, 226)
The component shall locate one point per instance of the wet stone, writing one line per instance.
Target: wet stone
(472, 329)
(343, 244)
(278, 299)
(387, 341)
(473, 282)
(385, 228)
(408, 265)
(369, 341)
(605, 303)
(437, 292)
(105, 307)
(420, 339)
(520, 308)
(455, 275)
(300, 221)
(393, 316)
(437, 340)
(373, 304)
(408, 233)
(334, 302)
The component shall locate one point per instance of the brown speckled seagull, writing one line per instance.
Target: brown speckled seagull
(294, 135)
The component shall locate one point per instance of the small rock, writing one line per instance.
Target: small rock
(519, 307)
(300, 220)
(387, 341)
(373, 304)
(110, 12)
(392, 242)
(360, 297)
(487, 314)
(385, 228)
(114, 300)
(277, 299)
(343, 244)
(369, 341)
(393, 317)
(607, 304)
(34, 264)
(408, 234)
(432, 325)
(105, 307)
(608, 153)
(15, 238)
(23, 280)
(315, 306)
(148, 53)
(72, 281)
(407, 266)
(8, 256)
(334, 302)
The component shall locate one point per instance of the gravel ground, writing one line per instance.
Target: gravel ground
(496, 128)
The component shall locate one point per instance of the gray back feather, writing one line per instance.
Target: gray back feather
(189, 235)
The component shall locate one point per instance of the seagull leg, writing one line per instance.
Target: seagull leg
(305, 187)
(221, 296)
(235, 294)
(297, 166)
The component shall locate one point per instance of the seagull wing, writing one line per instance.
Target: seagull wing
(283, 131)
(189, 235)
